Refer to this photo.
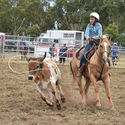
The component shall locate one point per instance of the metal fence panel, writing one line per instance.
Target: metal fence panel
(11, 44)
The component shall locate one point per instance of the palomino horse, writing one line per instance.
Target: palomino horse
(96, 69)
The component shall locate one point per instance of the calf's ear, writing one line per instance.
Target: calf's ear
(42, 58)
(27, 58)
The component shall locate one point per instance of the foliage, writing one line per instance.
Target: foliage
(33, 31)
(16, 16)
(112, 30)
(121, 40)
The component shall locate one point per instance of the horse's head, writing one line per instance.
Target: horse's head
(104, 47)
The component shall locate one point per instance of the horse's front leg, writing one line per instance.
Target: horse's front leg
(94, 82)
(108, 92)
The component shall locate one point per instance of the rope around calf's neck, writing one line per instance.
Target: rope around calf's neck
(10, 67)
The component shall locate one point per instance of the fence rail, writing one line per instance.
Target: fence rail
(12, 44)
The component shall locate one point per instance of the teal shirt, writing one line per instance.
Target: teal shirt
(93, 31)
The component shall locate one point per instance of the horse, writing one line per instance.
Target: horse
(97, 68)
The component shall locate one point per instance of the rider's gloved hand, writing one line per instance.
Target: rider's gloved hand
(90, 39)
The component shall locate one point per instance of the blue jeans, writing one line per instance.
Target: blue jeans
(85, 52)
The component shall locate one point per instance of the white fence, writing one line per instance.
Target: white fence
(11, 44)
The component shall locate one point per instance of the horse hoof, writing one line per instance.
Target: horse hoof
(58, 107)
(98, 107)
(63, 100)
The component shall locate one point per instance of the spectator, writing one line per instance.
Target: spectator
(114, 54)
(63, 54)
(22, 47)
(51, 50)
(23, 38)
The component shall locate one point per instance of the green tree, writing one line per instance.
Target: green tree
(112, 30)
(33, 31)
(121, 40)
(18, 15)
(37, 13)
(69, 14)
(12, 21)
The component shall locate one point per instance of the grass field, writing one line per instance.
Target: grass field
(20, 103)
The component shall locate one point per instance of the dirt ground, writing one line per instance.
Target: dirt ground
(20, 103)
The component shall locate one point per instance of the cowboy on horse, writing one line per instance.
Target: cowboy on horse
(92, 33)
(94, 66)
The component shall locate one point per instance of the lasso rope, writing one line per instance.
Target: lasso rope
(14, 71)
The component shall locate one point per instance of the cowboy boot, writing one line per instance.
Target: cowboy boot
(80, 70)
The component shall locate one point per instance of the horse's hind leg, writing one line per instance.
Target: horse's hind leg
(79, 82)
(107, 88)
(86, 88)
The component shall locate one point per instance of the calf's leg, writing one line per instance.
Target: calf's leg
(56, 96)
(50, 94)
(61, 92)
(42, 95)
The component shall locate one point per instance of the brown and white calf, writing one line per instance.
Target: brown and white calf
(46, 75)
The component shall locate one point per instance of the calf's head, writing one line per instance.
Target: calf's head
(34, 65)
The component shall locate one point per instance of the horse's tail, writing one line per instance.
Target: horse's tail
(72, 69)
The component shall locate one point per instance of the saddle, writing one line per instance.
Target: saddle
(89, 55)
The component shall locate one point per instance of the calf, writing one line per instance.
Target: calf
(46, 75)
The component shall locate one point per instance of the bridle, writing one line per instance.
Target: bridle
(103, 61)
